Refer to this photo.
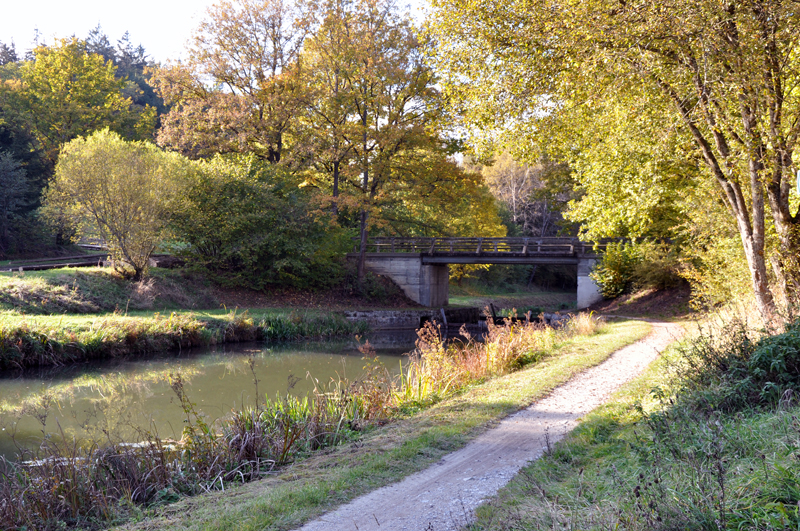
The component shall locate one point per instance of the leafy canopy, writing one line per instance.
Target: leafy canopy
(119, 191)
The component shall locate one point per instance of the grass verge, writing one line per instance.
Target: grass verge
(384, 455)
(38, 340)
(707, 438)
(99, 289)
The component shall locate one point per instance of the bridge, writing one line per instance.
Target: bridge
(420, 265)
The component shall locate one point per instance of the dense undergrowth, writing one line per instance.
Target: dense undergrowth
(90, 486)
(708, 439)
(27, 341)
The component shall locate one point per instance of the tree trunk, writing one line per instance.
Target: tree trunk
(533, 273)
(362, 255)
(335, 208)
(787, 262)
(750, 221)
(754, 252)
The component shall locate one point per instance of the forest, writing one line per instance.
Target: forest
(288, 132)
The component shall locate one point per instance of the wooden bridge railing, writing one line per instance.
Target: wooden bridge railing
(482, 246)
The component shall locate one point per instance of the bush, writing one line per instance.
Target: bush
(249, 225)
(629, 265)
(614, 273)
(119, 190)
(658, 266)
(734, 371)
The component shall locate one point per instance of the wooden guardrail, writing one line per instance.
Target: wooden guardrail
(482, 246)
(83, 260)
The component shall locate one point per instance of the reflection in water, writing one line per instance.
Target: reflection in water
(123, 399)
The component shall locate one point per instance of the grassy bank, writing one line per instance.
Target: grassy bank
(518, 297)
(381, 456)
(88, 486)
(98, 289)
(707, 438)
(36, 340)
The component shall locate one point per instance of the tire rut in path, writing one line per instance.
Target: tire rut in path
(444, 496)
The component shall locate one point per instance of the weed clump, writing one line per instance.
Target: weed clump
(436, 367)
(731, 370)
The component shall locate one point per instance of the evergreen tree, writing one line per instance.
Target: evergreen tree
(8, 53)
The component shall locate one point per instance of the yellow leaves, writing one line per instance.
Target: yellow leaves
(123, 188)
(66, 92)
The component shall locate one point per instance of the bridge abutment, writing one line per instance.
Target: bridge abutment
(588, 290)
(422, 283)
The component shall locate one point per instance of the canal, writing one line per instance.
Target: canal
(125, 400)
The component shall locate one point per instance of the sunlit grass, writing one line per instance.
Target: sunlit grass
(30, 340)
(382, 456)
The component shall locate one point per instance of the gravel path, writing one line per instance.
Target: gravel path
(443, 497)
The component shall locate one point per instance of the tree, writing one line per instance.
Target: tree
(327, 55)
(725, 71)
(535, 195)
(8, 53)
(14, 188)
(239, 90)
(65, 92)
(119, 189)
(131, 64)
(245, 222)
(97, 43)
(382, 95)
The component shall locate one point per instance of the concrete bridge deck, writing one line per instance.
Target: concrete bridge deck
(420, 265)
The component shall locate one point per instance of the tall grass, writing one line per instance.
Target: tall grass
(87, 486)
(436, 368)
(708, 439)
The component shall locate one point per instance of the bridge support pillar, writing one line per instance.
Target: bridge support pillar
(588, 291)
(426, 284)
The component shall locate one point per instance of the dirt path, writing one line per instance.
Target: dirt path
(443, 497)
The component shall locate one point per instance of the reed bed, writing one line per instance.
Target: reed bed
(66, 484)
(437, 368)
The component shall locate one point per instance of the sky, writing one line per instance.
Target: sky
(162, 26)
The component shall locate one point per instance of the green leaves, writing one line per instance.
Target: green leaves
(66, 92)
(119, 190)
(633, 95)
(247, 224)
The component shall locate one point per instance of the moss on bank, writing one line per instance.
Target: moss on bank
(38, 340)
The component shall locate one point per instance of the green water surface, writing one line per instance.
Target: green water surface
(124, 400)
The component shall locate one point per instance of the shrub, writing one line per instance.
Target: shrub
(614, 273)
(249, 225)
(631, 265)
(732, 370)
(119, 190)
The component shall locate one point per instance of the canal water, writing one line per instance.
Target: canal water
(123, 400)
